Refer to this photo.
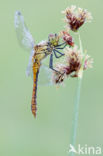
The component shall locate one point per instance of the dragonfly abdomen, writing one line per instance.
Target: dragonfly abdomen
(36, 67)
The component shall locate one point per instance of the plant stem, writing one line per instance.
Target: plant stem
(77, 103)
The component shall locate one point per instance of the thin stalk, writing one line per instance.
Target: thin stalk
(76, 104)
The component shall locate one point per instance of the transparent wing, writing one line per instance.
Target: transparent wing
(45, 76)
(29, 67)
(24, 36)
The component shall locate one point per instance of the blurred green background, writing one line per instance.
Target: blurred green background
(49, 134)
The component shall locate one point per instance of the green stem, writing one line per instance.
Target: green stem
(76, 104)
(80, 44)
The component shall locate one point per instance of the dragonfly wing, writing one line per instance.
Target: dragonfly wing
(29, 67)
(24, 36)
(45, 76)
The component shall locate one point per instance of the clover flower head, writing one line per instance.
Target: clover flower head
(67, 38)
(76, 17)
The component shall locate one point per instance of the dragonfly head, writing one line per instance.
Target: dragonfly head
(53, 39)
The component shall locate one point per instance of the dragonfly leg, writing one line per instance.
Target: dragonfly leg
(60, 44)
(51, 63)
(56, 51)
(62, 47)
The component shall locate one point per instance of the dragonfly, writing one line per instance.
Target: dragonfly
(38, 52)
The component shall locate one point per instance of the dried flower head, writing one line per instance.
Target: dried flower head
(73, 60)
(88, 62)
(76, 17)
(67, 38)
(72, 65)
(58, 77)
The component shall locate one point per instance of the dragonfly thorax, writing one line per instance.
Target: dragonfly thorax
(41, 51)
